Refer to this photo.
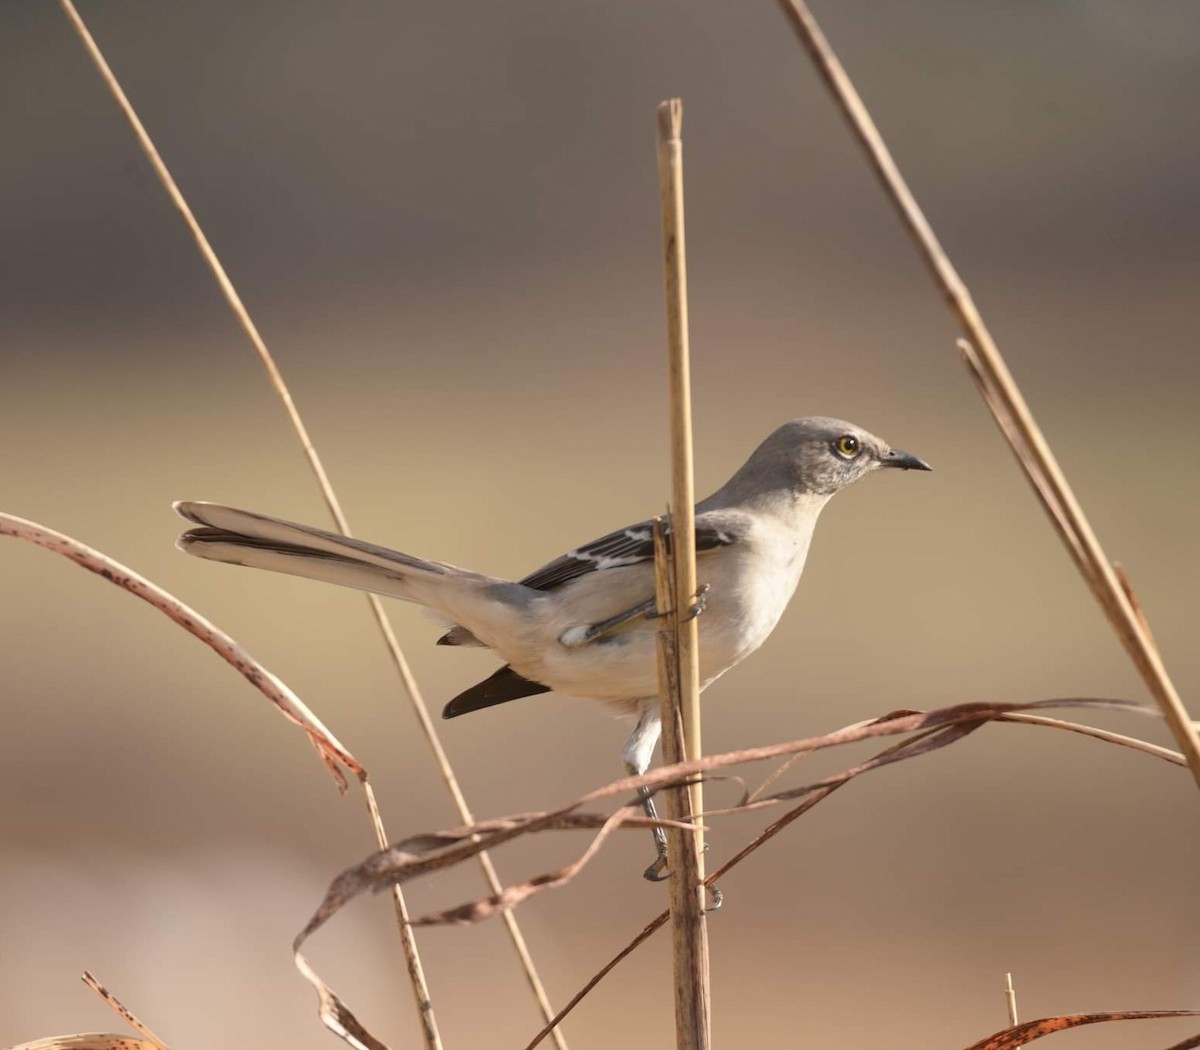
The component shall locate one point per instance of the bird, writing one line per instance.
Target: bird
(584, 625)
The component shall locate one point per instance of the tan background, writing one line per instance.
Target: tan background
(444, 218)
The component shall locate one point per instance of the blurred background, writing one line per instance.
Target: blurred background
(444, 218)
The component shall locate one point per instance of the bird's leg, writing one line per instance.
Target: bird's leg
(574, 637)
(638, 750)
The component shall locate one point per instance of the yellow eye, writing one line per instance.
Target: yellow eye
(848, 445)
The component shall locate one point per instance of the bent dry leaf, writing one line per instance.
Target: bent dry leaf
(331, 751)
(333, 1013)
(1011, 1038)
(422, 854)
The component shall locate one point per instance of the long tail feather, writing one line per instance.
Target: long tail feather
(240, 537)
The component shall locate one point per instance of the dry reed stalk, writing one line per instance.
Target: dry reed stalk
(122, 1011)
(1013, 414)
(679, 669)
(420, 990)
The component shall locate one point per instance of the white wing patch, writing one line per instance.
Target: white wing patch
(608, 556)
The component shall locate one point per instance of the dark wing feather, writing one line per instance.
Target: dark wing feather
(631, 545)
(498, 688)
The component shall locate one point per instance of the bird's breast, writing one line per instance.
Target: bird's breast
(747, 596)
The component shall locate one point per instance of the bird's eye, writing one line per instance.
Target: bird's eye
(848, 446)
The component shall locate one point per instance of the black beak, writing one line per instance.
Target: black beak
(902, 460)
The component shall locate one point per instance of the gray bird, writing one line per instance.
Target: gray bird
(583, 625)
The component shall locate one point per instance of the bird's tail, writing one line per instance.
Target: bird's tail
(240, 537)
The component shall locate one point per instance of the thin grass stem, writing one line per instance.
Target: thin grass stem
(1004, 396)
(421, 991)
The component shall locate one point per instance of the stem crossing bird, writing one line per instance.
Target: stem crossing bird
(583, 625)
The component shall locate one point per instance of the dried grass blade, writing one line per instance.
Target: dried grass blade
(334, 1014)
(477, 911)
(122, 1011)
(891, 725)
(87, 1041)
(926, 741)
(1011, 1038)
(656, 923)
(430, 852)
(932, 741)
(288, 703)
(1165, 753)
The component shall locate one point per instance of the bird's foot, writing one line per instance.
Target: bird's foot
(699, 604)
(657, 871)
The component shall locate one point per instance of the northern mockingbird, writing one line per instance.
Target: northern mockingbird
(583, 624)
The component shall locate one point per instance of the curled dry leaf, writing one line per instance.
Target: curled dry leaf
(331, 751)
(422, 854)
(1016, 1036)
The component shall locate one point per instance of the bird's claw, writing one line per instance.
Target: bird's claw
(699, 603)
(718, 898)
(657, 872)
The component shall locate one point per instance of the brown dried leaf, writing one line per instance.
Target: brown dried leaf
(477, 911)
(422, 854)
(87, 1041)
(1011, 1038)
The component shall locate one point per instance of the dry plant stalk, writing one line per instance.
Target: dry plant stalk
(122, 1011)
(678, 640)
(421, 993)
(1004, 396)
(1010, 999)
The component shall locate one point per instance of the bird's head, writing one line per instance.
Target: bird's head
(820, 456)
